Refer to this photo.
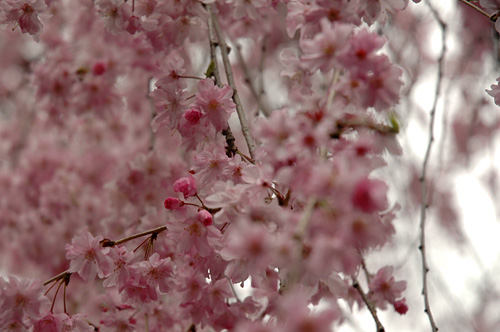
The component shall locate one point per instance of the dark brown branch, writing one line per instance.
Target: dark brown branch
(370, 306)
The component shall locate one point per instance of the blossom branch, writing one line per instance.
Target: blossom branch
(154, 231)
(229, 73)
(371, 308)
(248, 80)
(231, 148)
(425, 204)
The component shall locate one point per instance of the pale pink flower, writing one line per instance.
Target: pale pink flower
(159, 272)
(376, 10)
(384, 289)
(20, 300)
(215, 102)
(322, 51)
(121, 259)
(186, 185)
(87, 257)
(495, 90)
(49, 323)
(25, 13)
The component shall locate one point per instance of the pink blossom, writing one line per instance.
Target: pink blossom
(49, 323)
(384, 289)
(25, 13)
(159, 272)
(186, 186)
(87, 257)
(321, 52)
(370, 195)
(215, 102)
(20, 301)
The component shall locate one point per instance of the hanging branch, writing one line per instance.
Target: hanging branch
(371, 308)
(229, 73)
(231, 148)
(425, 204)
(248, 80)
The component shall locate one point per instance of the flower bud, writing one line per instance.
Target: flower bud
(172, 203)
(205, 217)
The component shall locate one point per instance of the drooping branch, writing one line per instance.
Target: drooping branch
(248, 79)
(369, 305)
(229, 73)
(424, 205)
(493, 17)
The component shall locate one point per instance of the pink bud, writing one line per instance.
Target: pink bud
(99, 68)
(205, 217)
(401, 307)
(187, 186)
(172, 203)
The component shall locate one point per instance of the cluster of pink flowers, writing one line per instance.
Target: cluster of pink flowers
(129, 132)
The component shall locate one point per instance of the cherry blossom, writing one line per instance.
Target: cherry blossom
(25, 14)
(87, 257)
(215, 102)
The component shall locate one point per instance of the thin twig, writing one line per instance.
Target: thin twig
(248, 80)
(213, 54)
(156, 230)
(480, 10)
(229, 73)
(57, 277)
(371, 307)
(424, 206)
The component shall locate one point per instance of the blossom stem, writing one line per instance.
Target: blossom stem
(424, 198)
(57, 277)
(189, 76)
(156, 230)
(229, 73)
(371, 308)
(480, 10)
(55, 296)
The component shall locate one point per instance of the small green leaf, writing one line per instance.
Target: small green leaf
(210, 69)
(394, 122)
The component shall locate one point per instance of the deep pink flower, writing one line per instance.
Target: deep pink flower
(87, 257)
(172, 203)
(186, 185)
(401, 307)
(370, 195)
(205, 217)
(215, 102)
